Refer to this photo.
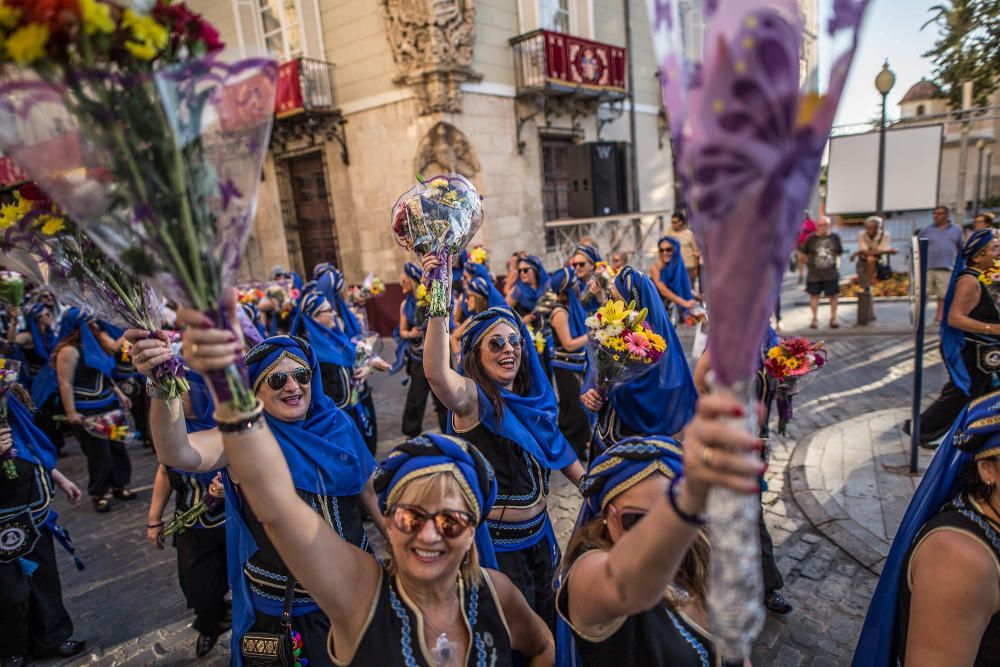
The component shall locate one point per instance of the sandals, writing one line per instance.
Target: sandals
(101, 505)
(814, 325)
(834, 324)
(124, 494)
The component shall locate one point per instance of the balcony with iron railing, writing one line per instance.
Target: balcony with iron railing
(556, 64)
(305, 104)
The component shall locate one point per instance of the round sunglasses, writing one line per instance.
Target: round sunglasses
(498, 343)
(450, 524)
(302, 376)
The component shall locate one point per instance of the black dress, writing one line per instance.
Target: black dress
(337, 385)
(108, 462)
(32, 615)
(393, 636)
(958, 515)
(568, 370)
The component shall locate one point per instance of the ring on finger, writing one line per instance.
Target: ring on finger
(194, 349)
(706, 456)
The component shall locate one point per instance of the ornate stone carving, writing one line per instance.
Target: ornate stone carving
(446, 148)
(432, 44)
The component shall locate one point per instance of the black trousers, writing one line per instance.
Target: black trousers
(531, 571)
(315, 631)
(416, 402)
(941, 414)
(772, 575)
(33, 620)
(201, 570)
(573, 421)
(108, 463)
(48, 426)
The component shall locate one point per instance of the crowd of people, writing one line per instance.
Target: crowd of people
(289, 525)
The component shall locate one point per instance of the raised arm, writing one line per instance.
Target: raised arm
(632, 576)
(458, 393)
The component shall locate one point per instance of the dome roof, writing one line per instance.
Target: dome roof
(922, 90)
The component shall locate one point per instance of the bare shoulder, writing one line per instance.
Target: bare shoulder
(954, 556)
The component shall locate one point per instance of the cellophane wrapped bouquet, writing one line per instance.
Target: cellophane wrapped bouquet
(12, 288)
(126, 118)
(790, 363)
(991, 279)
(114, 425)
(622, 345)
(367, 348)
(438, 217)
(604, 274)
(9, 372)
(82, 274)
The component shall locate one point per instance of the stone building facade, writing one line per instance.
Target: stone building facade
(402, 87)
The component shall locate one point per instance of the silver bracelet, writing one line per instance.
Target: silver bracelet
(153, 391)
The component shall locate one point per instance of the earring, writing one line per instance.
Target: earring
(467, 559)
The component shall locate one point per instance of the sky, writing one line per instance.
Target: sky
(891, 30)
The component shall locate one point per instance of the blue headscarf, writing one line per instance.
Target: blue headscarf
(527, 296)
(429, 454)
(953, 340)
(249, 317)
(93, 355)
(975, 435)
(202, 406)
(588, 301)
(485, 288)
(324, 452)
(331, 346)
(564, 281)
(44, 341)
(472, 270)
(322, 268)
(662, 400)
(30, 444)
(590, 252)
(414, 273)
(673, 274)
(529, 419)
(613, 472)
(330, 285)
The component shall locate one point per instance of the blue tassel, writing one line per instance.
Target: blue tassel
(994, 381)
(79, 563)
(28, 567)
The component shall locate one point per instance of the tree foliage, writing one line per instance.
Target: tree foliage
(967, 48)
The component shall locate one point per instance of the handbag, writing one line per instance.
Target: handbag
(18, 536)
(266, 649)
(883, 270)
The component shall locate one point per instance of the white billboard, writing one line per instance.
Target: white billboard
(912, 168)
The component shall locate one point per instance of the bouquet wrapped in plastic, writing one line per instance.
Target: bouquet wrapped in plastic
(372, 286)
(991, 279)
(115, 425)
(604, 274)
(622, 345)
(83, 275)
(790, 363)
(367, 348)
(151, 145)
(438, 217)
(184, 520)
(12, 288)
(9, 372)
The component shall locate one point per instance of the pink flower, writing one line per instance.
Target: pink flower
(637, 345)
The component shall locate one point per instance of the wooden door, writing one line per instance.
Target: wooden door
(313, 211)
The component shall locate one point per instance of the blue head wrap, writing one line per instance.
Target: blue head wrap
(484, 288)
(249, 317)
(430, 454)
(529, 419)
(472, 269)
(413, 271)
(30, 444)
(590, 252)
(461, 259)
(953, 340)
(662, 400)
(611, 473)
(202, 406)
(331, 346)
(975, 435)
(330, 285)
(325, 455)
(564, 281)
(673, 274)
(93, 355)
(44, 341)
(322, 268)
(527, 296)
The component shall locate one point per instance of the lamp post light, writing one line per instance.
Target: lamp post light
(884, 82)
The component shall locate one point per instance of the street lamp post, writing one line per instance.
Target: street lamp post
(981, 147)
(989, 164)
(884, 82)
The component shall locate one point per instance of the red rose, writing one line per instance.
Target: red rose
(210, 36)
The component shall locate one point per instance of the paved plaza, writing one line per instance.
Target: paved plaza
(841, 456)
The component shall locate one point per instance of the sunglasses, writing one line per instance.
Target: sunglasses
(322, 311)
(667, 250)
(578, 265)
(302, 376)
(498, 342)
(524, 269)
(627, 519)
(450, 524)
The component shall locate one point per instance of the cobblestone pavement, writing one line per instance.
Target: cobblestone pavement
(128, 606)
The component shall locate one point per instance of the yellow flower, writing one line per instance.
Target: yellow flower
(613, 312)
(149, 37)
(3, 362)
(51, 224)
(96, 17)
(774, 352)
(9, 15)
(656, 341)
(793, 363)
(615, 343)
(141, 50)
(27, 44)
(438, 183)
(9, 215)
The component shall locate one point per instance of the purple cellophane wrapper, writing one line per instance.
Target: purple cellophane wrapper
(748, 137)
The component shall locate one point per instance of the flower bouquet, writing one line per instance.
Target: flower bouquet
(790, 362)
(184, 520)
(9, 372)
(83, 275)
(604, 275)
(372, 286)
(116, 425)
(622, 345)
(538, 338)
(991, 279)
(479, 255)
(126, 119)
(367, 349)
(12, 288)
(438, 217)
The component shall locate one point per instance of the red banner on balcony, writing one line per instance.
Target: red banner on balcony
(288, 95)
(10, 173)
(572, 61)
(246, 104)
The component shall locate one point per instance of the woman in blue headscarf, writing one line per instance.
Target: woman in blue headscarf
(662, 400)
(345, 385)
(32, 614)
(970, 336)
(479, 295)
(938, 598)
(583, 262)
(84, 369)
(410, 353)
(331, 285)
(502, 403)
(531, 283)
(670, 276)
(632, 586)
(34, 348)
(569, 359)
(330, 465)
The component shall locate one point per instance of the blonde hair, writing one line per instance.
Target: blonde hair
(427, 489)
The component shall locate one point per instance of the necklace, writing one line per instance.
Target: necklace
(444, 650)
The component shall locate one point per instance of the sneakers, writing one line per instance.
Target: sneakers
(777, 604)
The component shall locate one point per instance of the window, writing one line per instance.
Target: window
(556, 181)
(554, 15)
(280, 24)
(920, 110)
